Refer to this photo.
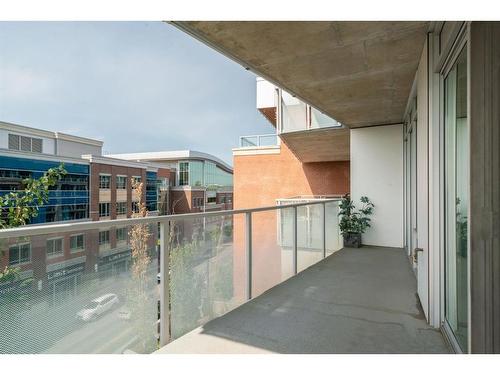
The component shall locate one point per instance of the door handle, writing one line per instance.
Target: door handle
(415, 253)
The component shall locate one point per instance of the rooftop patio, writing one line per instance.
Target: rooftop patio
(354, 301)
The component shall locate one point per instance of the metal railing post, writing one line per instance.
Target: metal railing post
(294, 240)
(248, 239)
(164, 283)
(324, 229)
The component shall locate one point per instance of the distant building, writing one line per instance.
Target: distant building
(97, 188)
(202, 181)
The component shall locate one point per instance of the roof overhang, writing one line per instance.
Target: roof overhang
(359, 73)
(318, 145)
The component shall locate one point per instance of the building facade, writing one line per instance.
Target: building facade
(202, 181)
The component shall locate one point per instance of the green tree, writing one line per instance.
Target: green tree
(18, 207)
(21, 206)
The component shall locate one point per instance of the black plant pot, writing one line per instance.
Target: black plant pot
(352, 240)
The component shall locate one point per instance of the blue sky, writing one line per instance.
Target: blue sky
(138, 86)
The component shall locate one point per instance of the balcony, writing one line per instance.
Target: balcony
(261, 140)
(354, 301)
(269, 279)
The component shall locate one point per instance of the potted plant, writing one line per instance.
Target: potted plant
(353, 223)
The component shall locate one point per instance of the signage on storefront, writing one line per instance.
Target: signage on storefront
(76, 268)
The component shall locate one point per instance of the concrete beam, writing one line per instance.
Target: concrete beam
(359, 73)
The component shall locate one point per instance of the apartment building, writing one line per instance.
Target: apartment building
(95, 188)
(418, 113)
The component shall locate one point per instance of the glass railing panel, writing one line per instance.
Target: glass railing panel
(207, 269)
(320, 120)
(334, 241)
(309, 235)
(272, 248)
(261, 140)
(249, 141)
(93, 291)
(293, 114)
(268, 140)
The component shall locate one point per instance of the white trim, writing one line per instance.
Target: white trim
(172, 156)
(41, 156)
(259, 150)
(78, 139)
(97, 159)
(49, 134)
(187, 188)
(26, 129)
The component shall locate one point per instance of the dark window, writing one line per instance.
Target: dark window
(103, 209)
(104, 181)
(19, 253)
(104, 237)
(54, 247)
(121, 234)
(121, 182)
(121, 208)
(76, 242)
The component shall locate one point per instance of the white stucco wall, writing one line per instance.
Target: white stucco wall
(76, 149)
(377, 172)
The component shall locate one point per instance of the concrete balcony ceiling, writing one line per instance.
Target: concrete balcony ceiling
(359, 73)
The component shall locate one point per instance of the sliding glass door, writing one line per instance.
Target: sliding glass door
(456, 152)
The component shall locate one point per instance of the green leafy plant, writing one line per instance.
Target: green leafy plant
(20, 206)
(352, 220)
(17, 208)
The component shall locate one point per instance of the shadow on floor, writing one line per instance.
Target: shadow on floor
(355, 301)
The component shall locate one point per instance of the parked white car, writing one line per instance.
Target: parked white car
(98, 306)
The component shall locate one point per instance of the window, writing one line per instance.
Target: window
(121, 208)
(121, 234)
(136, 180)
(103, 209)
(54, 247)
(135, 207)
(197, 202)
(19, 253)
(14, 142)
(104, 181)
(183, 173)
(104, 237)
(76, 243)
(29, 144)
(121, 182)
(212, 200)
(457, 192)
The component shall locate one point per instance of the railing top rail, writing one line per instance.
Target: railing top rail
(259, 135)
(34, 230)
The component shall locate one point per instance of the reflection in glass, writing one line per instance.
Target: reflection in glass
(456, 199)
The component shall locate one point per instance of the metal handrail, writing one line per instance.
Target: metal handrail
(33, 230)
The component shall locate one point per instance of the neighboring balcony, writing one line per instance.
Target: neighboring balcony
(309, 133)
(258, 145)
(269, 279)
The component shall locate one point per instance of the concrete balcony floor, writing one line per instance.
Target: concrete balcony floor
(355, 301)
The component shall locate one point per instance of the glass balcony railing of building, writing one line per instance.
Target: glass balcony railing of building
(296, 115)
(261, 140)
(133, 285)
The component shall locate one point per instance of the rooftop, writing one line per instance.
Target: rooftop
(172, 155)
